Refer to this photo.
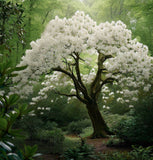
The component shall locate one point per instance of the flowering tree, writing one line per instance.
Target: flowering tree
(107, 51)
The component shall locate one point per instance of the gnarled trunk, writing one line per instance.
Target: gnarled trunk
(98, 123)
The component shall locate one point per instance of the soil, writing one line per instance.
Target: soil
(99, 145)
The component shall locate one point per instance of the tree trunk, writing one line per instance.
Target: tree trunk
(100, 128)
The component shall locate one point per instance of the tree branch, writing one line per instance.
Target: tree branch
(77, 69)
(63, 94)
(75, 82)
(96, 84)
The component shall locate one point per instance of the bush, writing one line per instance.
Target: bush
(114, 142)
(113, 119)
(77, 127)
(74, 128)
(138, 153)
(87, 132)
(50, 125)
(32, 125)
(54, 139)
(137, 128)
(71, 142)
(60, 111)
(82, 152)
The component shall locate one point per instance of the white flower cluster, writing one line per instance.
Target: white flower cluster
(63, 38)
(52, 82)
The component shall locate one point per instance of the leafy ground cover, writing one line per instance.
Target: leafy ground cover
(100, 146)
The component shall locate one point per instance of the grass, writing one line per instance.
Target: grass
(71, 142)
(87, 132)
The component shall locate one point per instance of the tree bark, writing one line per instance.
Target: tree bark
(100, 128)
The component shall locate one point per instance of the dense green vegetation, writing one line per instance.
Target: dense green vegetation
(50, 122)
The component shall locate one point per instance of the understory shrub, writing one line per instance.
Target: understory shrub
(71, 142)
(60, 111)
(133, 132)
(50, 125)
(31, 125)
(138, 128)
(114, 142)
(81, 152)
(53, 138)
(78, 126)
(86, 152)
(138, 153)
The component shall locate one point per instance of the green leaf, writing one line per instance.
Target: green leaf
(3, 124)
(10, 144)
(5, 146)
(30, 150)
(37, 155)
(24, 109)
(15, 132)
(20, 68)
(14, 156)
(13, 99)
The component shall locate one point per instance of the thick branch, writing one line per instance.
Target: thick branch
(96, 84)
(108, 80)
(68, 65)
(63, 94)
(77, 68)
(76, 84)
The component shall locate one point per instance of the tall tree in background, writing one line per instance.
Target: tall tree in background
(11, 30)
(141, 22)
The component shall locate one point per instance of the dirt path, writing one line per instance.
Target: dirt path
(100, 145)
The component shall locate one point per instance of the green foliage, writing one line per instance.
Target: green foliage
(7, 71)
(11, 31)
(74, 128)
(10, 112)
(29, 152)
(114, 142)
(140, 153)
(138, 128)
(87, 132)
(78, 126)
(81, 152)
(31, 125)
(8, 118)
(142, 25)
(59, 110)
(53, 138)
(71, 142)
(113, 119)
(50, 125)
(8, 152)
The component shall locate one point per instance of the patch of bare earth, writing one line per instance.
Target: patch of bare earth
(100, 145)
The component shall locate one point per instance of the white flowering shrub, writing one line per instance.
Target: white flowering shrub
(68, 45)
